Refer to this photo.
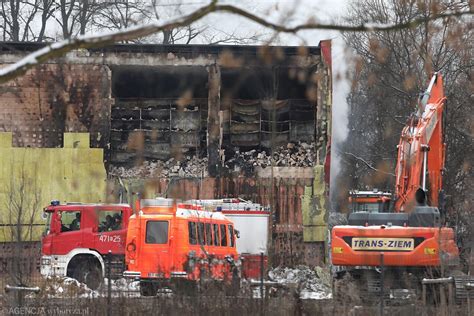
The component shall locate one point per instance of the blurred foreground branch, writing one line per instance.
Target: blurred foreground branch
(61, 48)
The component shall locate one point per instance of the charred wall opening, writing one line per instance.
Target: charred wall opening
(261, 107)
(157, 111)
(158, 82)
(267, 107)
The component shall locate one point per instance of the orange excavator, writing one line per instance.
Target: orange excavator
(405, 236)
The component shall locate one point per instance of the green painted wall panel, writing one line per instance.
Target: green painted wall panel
(73, 173)
(314, 203)
(314, 233)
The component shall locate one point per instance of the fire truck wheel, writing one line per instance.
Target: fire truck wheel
(184, 287)
(148, 288)
(88, 271)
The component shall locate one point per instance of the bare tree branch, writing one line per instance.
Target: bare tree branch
(61, 48)
(366, 163)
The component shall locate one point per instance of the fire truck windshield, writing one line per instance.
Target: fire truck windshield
(157, 232)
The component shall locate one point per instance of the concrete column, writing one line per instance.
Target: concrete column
(213, 122)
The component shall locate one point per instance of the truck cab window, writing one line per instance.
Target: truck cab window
(156, 232)
(231, 235)
(70, 221)
(208, 234)
(110, 220)
(216, 234)
(192, 233)
(223, 235)
(201, 233)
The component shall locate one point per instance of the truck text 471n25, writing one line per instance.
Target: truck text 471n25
(80, 236)
(406, 238)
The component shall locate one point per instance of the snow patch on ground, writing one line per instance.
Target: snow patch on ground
(310, 283)
(121, 287)
(61, 287)
(64, 287)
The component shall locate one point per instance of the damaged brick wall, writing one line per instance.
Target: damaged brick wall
(51, 99)
(151, 102)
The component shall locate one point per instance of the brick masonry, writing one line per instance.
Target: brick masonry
(55, 98)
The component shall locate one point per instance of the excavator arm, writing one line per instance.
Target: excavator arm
(421, 151)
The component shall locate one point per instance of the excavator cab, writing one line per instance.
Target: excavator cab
(370, 201)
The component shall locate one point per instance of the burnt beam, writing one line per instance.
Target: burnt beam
(213, 122)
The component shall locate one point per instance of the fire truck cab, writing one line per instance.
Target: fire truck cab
(176, 244)
(79, 236)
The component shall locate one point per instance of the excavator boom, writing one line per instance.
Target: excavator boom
(421, 150)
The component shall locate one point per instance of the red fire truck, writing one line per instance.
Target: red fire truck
(79, 236)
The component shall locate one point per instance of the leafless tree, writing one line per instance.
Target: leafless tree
(121, 14)
(47, 9)
(17, 16)
(365, 26)
(22, 204)
(75, 17)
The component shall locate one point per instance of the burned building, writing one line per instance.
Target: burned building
(248, 121)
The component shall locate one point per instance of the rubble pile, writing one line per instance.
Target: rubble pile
(191, 166)
(310, 284)
(292, 155)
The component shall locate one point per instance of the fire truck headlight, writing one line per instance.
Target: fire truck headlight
(337, 250)
(45, 261)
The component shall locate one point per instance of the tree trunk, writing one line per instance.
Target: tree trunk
(15, 26)
(83, 16)
(64, 19)
(167, 37)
